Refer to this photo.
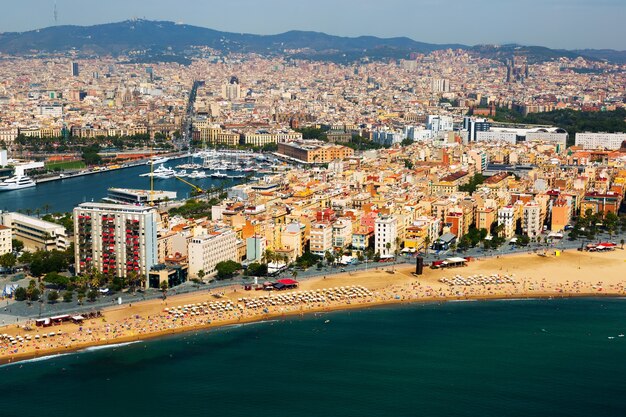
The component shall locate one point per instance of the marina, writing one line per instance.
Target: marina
(61, 193)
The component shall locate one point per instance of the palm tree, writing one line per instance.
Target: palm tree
(46, 208)
(387, 246)
(622, 243)
(294, 274)
(427, 243)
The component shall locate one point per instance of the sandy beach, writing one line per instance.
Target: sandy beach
(520, 276)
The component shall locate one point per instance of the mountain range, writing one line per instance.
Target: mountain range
(162, 40)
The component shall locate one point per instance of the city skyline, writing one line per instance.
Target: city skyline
(482, 22)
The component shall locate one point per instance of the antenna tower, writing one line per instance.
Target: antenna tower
(56, 14)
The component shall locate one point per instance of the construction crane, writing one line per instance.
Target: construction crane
(195, 187)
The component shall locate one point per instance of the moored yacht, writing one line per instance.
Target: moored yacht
(17, 183)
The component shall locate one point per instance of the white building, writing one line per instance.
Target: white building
(115, 239)
(507, 217)
(440, 85)
(387, 137)
(342, 233)
(6, 245)
(437, 123)
(321, 238)
(385, 234)
(531, 219)
(206, 251)
(53, 110)
(496, 136)
(36, 234)
(610, 141)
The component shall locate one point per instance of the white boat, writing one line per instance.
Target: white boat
(197, 175)
(157, 160)
(182, 173)
(164, 173)
(219, 175)
(17, 183)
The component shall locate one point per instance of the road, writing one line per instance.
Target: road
(21, 310)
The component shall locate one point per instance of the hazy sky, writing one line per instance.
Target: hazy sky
(554, 23)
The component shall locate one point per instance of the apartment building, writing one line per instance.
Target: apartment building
(600, 140)
(385, 234)
(531, 219)
(321, 238)
(115, 239)
(207, 250)
(507, 216)
(6, 245)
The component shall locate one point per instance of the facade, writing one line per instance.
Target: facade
(6, 244)
(342, 233)
(385, 234)
(314, 151)
(611, 141)
(485, 216)
(207, 250)
(115, 239)
(561, 215)
(321, 238)
(498, 136)
(531, 220)
(507, 217)
(36, 234)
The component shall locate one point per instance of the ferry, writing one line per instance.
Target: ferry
(17, 183)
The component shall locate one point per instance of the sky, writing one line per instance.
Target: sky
(569, 24)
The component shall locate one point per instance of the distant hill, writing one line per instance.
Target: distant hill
(158, 39)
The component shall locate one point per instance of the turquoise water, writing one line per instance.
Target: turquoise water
(498, 358)
(64, 195)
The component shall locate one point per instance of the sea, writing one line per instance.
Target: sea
(482, 358)
(63, 195)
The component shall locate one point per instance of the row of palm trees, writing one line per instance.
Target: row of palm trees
(37, 212)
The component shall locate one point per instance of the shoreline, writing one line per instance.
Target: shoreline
(126, 340)
(516, 277)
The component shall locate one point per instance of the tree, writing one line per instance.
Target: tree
(67, 296)
(427, 242)
(92, 295)
(18, 245)
(329, 257)
(201, 274)
(53, 296)
(294, 274)
(20, 294)
(8, 260)
(256, 269)
(622, 243)
(227, 269)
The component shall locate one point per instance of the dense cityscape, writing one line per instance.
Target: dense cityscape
(274, 173)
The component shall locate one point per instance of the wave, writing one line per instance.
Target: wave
(103, 347)
(33, 360)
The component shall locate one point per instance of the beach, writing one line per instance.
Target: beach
(571, 274)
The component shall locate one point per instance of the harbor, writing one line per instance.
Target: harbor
(61, 193)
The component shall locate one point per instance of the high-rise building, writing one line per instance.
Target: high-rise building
(74, 68)
(232, 90)
(115, 239)
(441, 85)
(436, 123)
(473, 125)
